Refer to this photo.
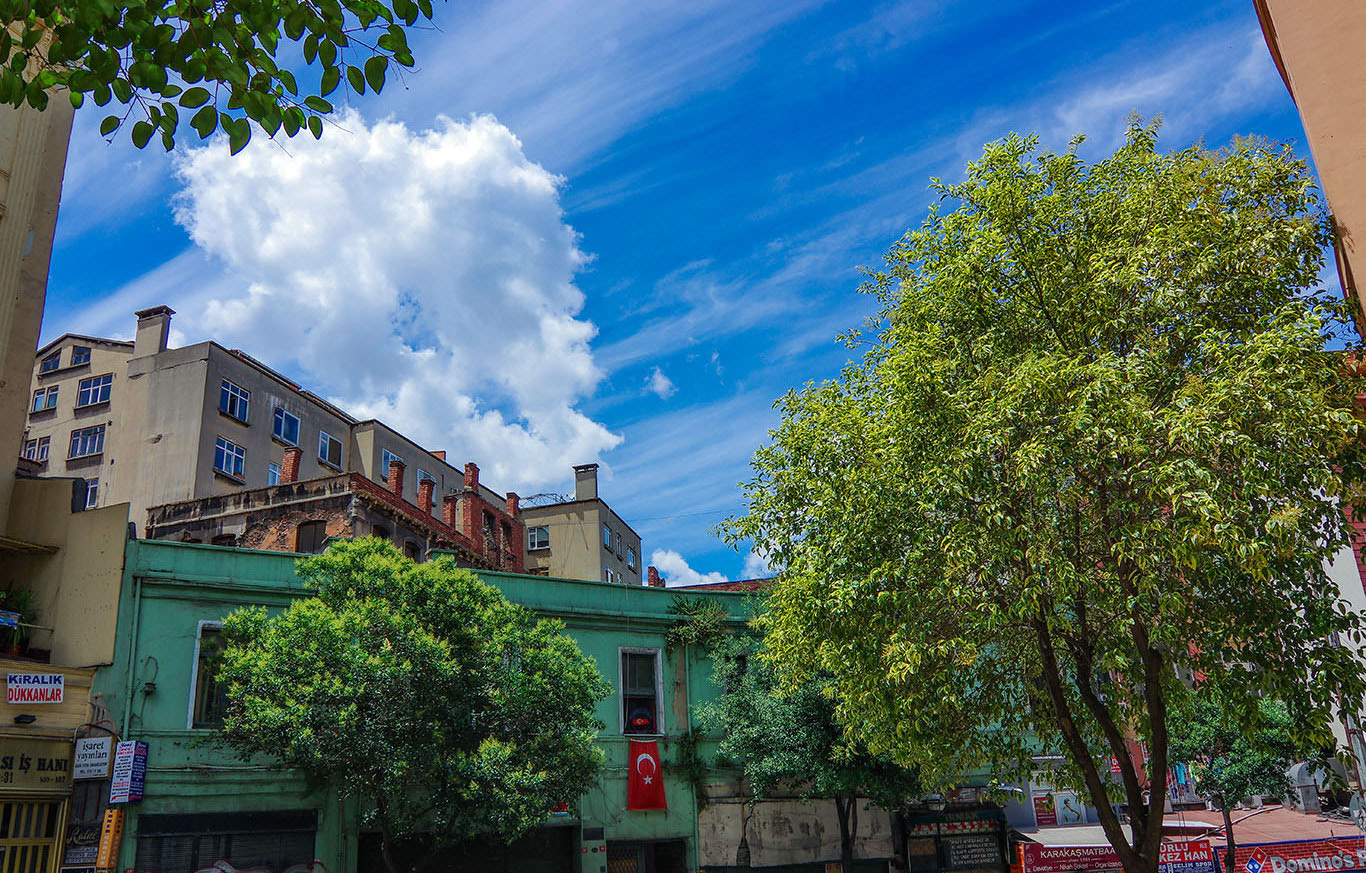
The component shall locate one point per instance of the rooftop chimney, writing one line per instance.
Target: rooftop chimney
(154, 326)
(514, 503)
(441, 454)
(448, 510)
(652, 578)
(289, 467)
(424, 495)
(586, 482)
(471, 475)
(396, 477)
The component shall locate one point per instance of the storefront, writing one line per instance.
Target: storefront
(961, 841)
(35, 789)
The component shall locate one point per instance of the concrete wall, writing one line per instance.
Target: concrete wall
(372, 438)
(786, 832)
(58, 423)
(77, 587)
(1317, 46)
(576, 550)
(32, 161)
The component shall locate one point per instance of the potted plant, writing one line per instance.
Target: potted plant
(20, 602)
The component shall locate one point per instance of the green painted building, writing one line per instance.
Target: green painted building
(203, 806)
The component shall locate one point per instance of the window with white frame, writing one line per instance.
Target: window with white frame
(51, 362)
(329, 449)
(424, 476)
(640, 691)
(208, 698)
(537, 538)
(234, 400)
(286, 428)
(87, 441)
(630, 557)
(606, 537)
(92, 493)
(37, 449)
(610, 575)
(272, 474)
(229, 458)
(44, 399)
(94, 390)
(385, 456)
(80, 355)
(617, 539)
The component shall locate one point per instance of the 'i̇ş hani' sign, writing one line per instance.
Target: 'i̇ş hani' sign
(34, 687)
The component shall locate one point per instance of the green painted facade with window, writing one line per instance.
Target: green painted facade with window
(202, 801)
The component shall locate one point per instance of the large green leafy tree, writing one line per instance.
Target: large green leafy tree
(788, 742)
(1096, 441)
(418, 689)
(203, 64)
(1230, 762)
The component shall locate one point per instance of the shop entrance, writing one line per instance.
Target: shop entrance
(30, 835)
(664, 856)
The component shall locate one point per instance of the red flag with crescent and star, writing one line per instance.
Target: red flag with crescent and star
(645, 787)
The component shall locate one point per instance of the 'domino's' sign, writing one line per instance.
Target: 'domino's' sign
(1308, 856)
(34, 687)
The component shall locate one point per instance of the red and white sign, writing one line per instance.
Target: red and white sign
(1256, 861)
(1194, 856)
(645, 785)
(34, 687)
(1309, 856)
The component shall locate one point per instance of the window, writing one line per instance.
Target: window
(385, 456)
(286, 427)
(45, 398)
(617, 537)
(537, 538)
(329, 450)
(631, 558)
(51, 362)
(610, 575)
(207, 696)
(272, 474)
(424, 476)
(80, 355)
(87, 441)
(229, 458)
(224, 540)
(250, 840)
(412, 551)
(234, 400)
(606, 537)
(36, 450)
(92, 493)
(94, 390)
(379, 531)
(640, 691)
(311, 537)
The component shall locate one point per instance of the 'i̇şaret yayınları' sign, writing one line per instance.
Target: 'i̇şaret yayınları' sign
(34, 687)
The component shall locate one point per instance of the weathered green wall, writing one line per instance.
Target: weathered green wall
(169, 588)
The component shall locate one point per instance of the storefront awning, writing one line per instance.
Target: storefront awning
(1076, 835)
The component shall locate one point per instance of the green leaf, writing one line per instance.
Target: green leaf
(331, 78)
(142, 132)
(109, 124)
(194, 97)
(374, 72)
(356, 79)
(205, 121)
(315, 126)
(317, 104)
(239, 134)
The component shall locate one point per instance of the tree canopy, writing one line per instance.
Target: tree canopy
(787, 741)
(1231, 761)
(1094, 443)
(417, 689)
(203, 64)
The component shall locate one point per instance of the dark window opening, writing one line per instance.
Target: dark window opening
(412, 551)
(210, 697)
(639, 692)
(311, 538)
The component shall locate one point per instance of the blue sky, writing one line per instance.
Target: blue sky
(725, 167)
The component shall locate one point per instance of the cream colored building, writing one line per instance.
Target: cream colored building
(582, 538)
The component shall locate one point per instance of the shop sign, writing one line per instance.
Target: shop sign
(35, 765)
(34, 687)
(973, 852)
(1044, 814)
(1304, 856)
(1194, 856)
(130, 772)
(111, 835)
(93, 758)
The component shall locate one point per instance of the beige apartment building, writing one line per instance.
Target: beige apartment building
(582, 538)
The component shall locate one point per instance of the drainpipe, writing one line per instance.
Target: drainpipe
(132, 650)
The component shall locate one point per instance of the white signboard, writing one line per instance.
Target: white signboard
(34, 687)
(130, 772)
(93, 757)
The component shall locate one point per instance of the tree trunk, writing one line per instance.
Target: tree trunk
(899, 841)
(1228, 835)
(843, 809)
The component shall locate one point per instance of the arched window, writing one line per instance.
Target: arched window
(311, 537)
(412, 550)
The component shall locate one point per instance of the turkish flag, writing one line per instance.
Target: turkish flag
(645, 786)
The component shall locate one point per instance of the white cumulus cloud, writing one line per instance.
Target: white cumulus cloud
(756, 567)
(675, 570)
(422, 277)
(660, 384)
